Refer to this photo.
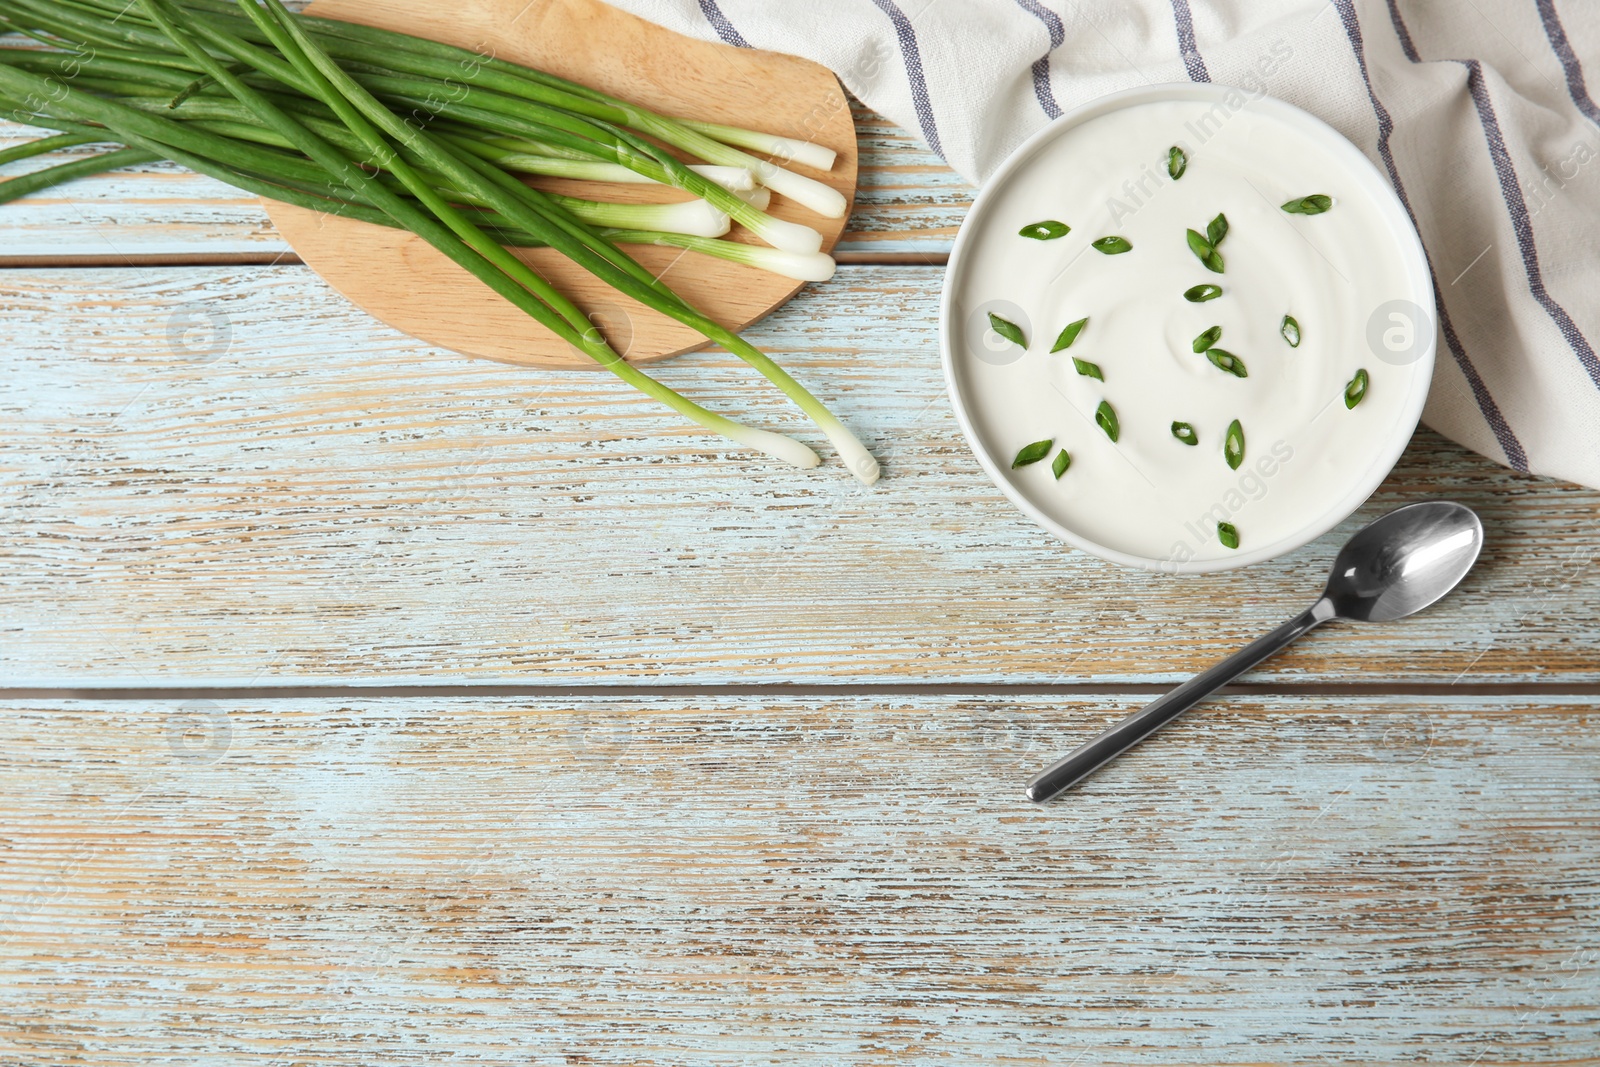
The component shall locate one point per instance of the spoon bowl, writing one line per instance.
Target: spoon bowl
(1393, 567)
(1404, 562)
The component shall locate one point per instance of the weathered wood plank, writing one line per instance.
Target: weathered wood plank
(234, 477)
(908, 202)
(687, 882)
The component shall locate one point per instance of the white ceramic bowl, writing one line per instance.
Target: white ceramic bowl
(1367, 181)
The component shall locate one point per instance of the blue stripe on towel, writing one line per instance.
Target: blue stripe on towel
(1577, 88)
(1042, 88)
(1577, 84)
(1192, 59)
(1515, 455)
(1516, 206)
(720, 23)
(913, 60)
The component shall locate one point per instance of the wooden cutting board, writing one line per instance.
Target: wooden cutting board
(408, 284)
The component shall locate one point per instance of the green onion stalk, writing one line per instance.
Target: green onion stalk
(290, 122)
(410, 74)
(161, 139)
(714, 143)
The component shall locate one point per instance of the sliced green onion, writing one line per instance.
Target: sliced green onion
(1356, 391)
(1204, 251)
(1088, 370)
(1113, 246)
(1228, 534)
(1315, 204)
(1233, 444)
(1069, 334)
(1048, 230)
(1207, 339)
(1059, 465)
(1185, 433)
(1007, 329)
(1225, 360)
(1290, 329)
(1106, 416)
(1199, 294)
(1217, 229)
(1177, 162)
(1032, 453)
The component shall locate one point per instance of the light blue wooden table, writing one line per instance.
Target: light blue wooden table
(367, 704)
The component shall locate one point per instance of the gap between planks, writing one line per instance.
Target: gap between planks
(1065, 691)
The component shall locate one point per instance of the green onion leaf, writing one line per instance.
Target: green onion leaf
(1315, 204)
(1106, 416)
(1113, 246)
(1207, 339)
(1199, 294)
(1233, 445)
(1185, 433)
(1062, 462)
(1228, 534)
(1048, 230)
(1032, 453)
(1225, 360)
(1357, 389)
(1217, 230)
(1069, 334)
(1291, 331)
(1177, 162)
(1204, 252)
(1088, 370)
(1007, 329)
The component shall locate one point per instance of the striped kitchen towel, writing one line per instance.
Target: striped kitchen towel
(1478, 111)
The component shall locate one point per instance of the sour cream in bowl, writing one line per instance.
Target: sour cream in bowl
(1188, 329)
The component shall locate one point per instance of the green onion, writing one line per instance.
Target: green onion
(1233, 444)
(694, 217)
(1356, 391)
(1059, 465)
(1315, 204)
(1290, 329)
(1177, 162)
(1217, 230)
(806, 153)
(1106, 416)
(1033, 453)
(1088, 370)
(1007, 329)
(1068, 335)
(1199, 294)
(1208, 338)
(23, 185)
(1048, 230)
(807, 267)
(1225, 360)
(1112, 246)
(1185, 433)
(1228, 534)
(327, 180)
(43, 146)
(1209, 256)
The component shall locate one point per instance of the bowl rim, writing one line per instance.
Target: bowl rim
(1388, 201)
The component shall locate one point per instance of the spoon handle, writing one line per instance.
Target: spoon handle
(1069, 770)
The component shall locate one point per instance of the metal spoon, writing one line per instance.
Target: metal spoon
(1391, 568)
